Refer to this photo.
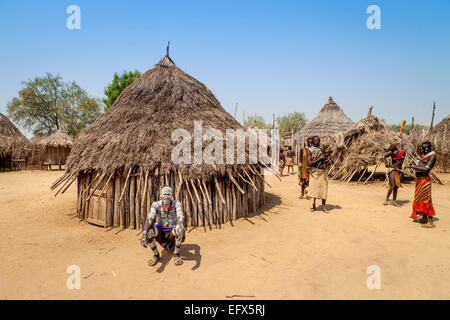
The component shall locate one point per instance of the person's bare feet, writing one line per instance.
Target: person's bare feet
(395, 204)
(324, 209)
(386, 202)
(312, 209)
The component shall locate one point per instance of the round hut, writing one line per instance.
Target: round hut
(57, 148)
(439, 137)
(12, 145)
(123, 159)
(329, 121)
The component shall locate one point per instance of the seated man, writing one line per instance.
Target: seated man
(165, 224)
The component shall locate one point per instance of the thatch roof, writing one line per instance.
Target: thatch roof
(440, 138)
(329, 121)
(12, 141)
(137, 128)
(57, 139)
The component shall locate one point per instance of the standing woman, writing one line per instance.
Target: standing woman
(422, 205)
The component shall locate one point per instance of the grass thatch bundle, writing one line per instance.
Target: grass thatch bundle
(364, 145)
(440, 139)
(12, 143)
(123, 159)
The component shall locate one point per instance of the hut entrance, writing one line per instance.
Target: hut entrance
(96, 213)
(97, 204)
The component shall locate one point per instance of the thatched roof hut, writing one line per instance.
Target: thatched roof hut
(363, 146)
(12, 144)
(123, 159)
(439, 136)
(57, 147)
(329, 121)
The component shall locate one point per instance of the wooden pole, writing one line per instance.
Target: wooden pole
(402, 126)
(235, 183)
(125, 185)
(432, 116)
(132, 202)
(218, 188)
(116, 220)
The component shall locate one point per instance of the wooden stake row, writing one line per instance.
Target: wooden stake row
(124, 197)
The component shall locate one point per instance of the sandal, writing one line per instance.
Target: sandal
(177, 260)
(153, 261)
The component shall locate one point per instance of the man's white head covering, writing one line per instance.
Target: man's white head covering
(166, 189)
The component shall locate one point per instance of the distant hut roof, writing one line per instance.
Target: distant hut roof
(36, 139)
(137, 128)
(329, 121)
(440, 138)
(12, 141)
(254, 125)
(57, 139)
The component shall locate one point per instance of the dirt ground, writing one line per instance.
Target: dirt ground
(283, 252)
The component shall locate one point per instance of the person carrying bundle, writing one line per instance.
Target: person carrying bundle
(318, 161)
(394, 175)
(422, 205)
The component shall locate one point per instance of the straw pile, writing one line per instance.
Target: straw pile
(364, 145)
(440, 139)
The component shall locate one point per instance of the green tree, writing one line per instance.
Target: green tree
(259, 122)
(119, 83)
(291, 122)
(47, 103)
(408, 127)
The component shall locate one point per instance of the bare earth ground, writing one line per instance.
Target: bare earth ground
(284, 252)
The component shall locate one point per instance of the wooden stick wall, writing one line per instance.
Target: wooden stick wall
(123, 199)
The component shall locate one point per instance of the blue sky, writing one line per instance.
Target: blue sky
(270, 56)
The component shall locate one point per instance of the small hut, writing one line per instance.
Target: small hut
(123, 159)
(439, 136)
(329, 121)
(12, 145)
(57, 148)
